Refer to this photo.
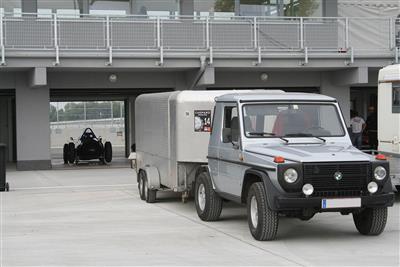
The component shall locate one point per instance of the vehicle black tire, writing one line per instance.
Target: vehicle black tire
(208, 203)
(141, 177)
(370, 221)
(107, 152)
(71, 153)
(65, 154)
(150, 195)
(263, 222)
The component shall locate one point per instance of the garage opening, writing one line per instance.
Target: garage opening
(69, 120)
(7, 123)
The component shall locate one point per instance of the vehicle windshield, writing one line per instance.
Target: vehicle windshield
(291, 120)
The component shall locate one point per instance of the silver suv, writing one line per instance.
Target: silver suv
(289, 154)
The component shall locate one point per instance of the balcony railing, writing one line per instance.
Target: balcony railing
(60, 35)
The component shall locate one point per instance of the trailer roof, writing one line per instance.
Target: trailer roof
(389, 73)
(272, 95)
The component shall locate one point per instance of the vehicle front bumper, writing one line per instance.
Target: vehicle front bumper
(296, 203)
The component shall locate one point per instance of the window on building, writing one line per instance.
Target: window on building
(64, 8)
(396, 98)
(156, 7)
(11, 7)
(292, 8)
(109, 7)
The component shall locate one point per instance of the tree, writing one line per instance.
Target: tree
(301, 8)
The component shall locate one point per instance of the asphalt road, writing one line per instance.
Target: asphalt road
(94, 217)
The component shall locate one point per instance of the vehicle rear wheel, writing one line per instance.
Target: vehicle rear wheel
(71, 153)
(370, 221)
(208, 203)
(141, 175)
(107, 152)
(65, 154)
(263, 222)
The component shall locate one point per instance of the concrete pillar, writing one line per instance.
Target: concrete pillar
(33, 125)
(341, 93)
(186, 7)
(237, 7)
(29, 6)
(84, 6)
(330, 8)
(130, 117)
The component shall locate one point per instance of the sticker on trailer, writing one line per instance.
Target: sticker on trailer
(202, 121)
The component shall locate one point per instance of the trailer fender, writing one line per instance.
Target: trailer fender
(153, 177)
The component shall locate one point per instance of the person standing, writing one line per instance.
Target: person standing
(372, 128)
(357, 128)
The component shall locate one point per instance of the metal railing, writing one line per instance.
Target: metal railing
(259, 35)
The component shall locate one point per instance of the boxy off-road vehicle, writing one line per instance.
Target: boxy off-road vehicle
(279, 153)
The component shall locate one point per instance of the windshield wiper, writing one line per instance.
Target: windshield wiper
(320, 138)
(305, 135)
(260, 133)
(270, 134)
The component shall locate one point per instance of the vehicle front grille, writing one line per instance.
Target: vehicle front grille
(338, 193)
(322, 177)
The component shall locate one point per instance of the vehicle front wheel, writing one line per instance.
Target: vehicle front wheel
(263, 222)
(208, 203)
(370, 221)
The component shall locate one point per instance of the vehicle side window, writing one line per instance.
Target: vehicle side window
(230, 131)
(396, 98)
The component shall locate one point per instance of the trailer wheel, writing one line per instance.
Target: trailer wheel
(71, 153)
(371, 221)
(263, 222)
(149, 194)
(208, 203)
(141, 176)
(65, 153)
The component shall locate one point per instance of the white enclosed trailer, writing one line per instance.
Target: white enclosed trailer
(172, 132)
(389, 110)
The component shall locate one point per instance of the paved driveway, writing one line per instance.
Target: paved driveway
(95, 217)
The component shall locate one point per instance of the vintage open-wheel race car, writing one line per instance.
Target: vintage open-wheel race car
(88, 147)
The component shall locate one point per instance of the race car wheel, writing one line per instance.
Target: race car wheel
(71, 153)
(65, 154)
(371, 221)
(107, 152)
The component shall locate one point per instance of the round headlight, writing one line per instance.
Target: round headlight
(372, 187)
(290, 176)
(379, 173)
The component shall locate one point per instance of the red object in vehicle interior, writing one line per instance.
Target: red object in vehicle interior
(287, 123)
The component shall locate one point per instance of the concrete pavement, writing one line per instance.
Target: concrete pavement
(94, 217)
